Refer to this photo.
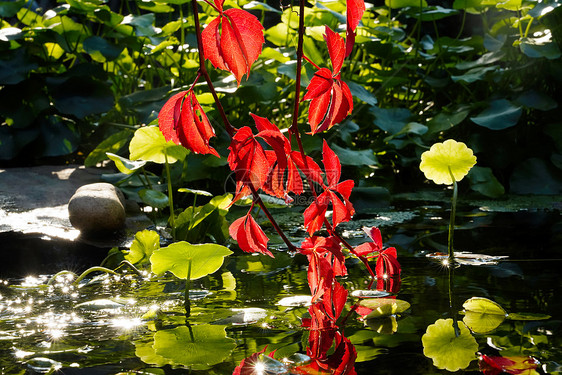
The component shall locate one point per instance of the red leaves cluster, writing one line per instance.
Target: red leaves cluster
(233, 41)
(183, 121)
(249, 235)
(387, 262)
(315, 214)
(331, 99)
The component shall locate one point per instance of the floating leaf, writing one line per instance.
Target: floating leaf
(447, 350)
(205, 259)
(384, 307)
(527, 316)
(482, 323)
(197, 347)
(469, 259)
(501, 114)
(483, 306)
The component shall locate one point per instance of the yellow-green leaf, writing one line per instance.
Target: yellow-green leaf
(445, 158)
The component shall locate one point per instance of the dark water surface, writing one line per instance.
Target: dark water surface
(136, 323)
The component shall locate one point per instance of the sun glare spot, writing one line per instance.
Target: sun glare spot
(260, 368)
(126, 324)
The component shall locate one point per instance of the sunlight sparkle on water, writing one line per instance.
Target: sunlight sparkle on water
(126, 323)
(260, 368)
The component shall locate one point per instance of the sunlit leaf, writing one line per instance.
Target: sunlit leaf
(527, 316)
(149, 144)
(125, 165)
(142, 247)
(205, 259)
(395, 4)
(482, 322)
(111, 144)
(447, 350)
(446, 158)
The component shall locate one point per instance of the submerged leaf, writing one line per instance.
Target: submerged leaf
(384, 307)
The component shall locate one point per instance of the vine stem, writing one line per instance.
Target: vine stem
(170, 196)
(203, 71)
(259, 201)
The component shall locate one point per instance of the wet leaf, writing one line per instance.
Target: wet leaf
(205, 259)
(469, 259)
(384, 307)
(198, 346)
(448, 351)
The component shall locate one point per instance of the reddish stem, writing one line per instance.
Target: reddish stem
(203, 71)
(259, 201)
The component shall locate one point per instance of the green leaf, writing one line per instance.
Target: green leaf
(81, 96)
(528, 316)
(483, 306)
(538, 47)
(205, 259)
(86, 5)
(501, 114)
(195, 191)
(143, 25)
(196, 346)
(358, 91)
(536, 100)
(111, 144)
(59, 135)
(355, 157)
(149, 144)
(258, 5)
(391, 120)
(432, 13)
(395, 4)
(10, 8)
(144, 244)
(15, 66)
(482, 323)
(447, 350)
(154, 198)
(483, 181)
(474, 74)
(535, 176)
(445, 120)
(383, 307)
(100, 49)
(483, 315)
(125, 165)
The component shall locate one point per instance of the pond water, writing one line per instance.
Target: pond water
(135, 323)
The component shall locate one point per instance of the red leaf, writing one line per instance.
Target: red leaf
(332, 166)
(320, 83)
(247, 159)
(334, 300)
(233, 41)
(249, 235)
(355, 10)
(516, 365)
(315, 214)
(336, 49)
(248, 365)
(308, 166)
(183, 121)
(340, 212)
(320, 276)
(387, 264)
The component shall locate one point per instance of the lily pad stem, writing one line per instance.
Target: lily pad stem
(93, 269)
(170, 196)
(187, 303)
(451, 257)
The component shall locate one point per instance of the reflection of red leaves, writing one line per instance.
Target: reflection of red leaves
(355, 10)
(233, 41)
(315, 214)
(248, 365)
(249, 235)
(387, 262)
(341, 361)
(183, 121)
(519, 365)
(329, 248)
(331, 99)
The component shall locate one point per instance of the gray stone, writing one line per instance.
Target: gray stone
(98, 207)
